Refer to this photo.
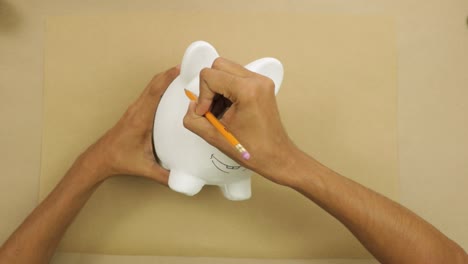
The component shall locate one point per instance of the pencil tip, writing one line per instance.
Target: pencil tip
(190, 95)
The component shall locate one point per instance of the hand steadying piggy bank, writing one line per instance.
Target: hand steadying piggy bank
(191, 160)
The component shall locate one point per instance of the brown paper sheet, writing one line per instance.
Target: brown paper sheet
(338, 102)
(76, 258)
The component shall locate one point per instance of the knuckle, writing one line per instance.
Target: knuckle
(186, 122)
(155, 78)
(155, 90)
(218, 62)
(264, 83)
(268, 84)
(247, 90)
(253, 92)
(257, 87)
(161, 81)
(132, 115)
(232, 85)
(132, 110)
(155, 85)
(204, 73)
(170, 74)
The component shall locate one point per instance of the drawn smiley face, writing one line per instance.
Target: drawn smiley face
(226, 168)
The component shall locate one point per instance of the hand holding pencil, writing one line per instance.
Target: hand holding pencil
(223, 130)
(253, 118)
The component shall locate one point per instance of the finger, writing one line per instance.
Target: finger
(214, 82)
(149, 100)
(204, 129)
(227, 66)
(159, 84)
(231, 67)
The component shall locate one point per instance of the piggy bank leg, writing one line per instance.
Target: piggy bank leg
(237, 191)
(185, 183)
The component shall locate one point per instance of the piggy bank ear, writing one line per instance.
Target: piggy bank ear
(269, 67)
(198, 55)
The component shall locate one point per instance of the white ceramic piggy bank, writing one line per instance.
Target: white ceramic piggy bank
(191, 160)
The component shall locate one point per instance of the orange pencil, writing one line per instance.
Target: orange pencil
(227, 135)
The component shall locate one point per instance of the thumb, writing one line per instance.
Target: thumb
(203, 128)
(157, 173)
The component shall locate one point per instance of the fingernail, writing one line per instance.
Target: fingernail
(196, 110)
(193, 105)
(178, 66)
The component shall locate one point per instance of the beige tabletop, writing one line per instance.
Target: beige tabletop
(432, 81)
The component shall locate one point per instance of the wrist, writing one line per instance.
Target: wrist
(281, 167)
(93, 164)
(291, 172)
(298, 170)
(84, 176)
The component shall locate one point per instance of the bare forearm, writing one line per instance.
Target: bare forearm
(126, 148)
(37, 237)
(392, 233)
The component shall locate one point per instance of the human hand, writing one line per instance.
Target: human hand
(127, 147)
(252, 116)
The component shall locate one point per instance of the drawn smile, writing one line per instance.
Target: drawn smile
(223, 166)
